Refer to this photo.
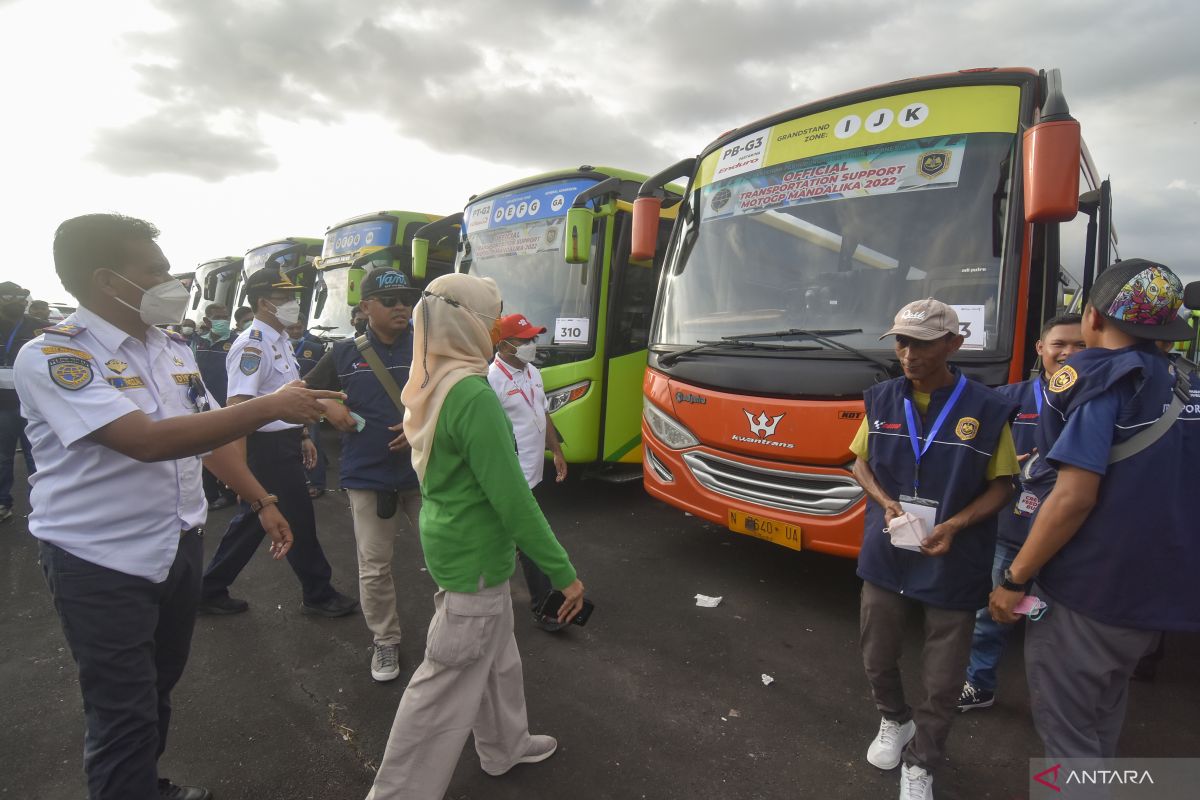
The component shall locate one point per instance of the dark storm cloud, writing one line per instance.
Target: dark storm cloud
(159, 144)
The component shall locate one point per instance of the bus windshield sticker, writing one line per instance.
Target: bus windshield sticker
(925, 115)
(571, 330)
(970, 325)
(546, 201)
(518, 240)
(865, 172)
(374, 233)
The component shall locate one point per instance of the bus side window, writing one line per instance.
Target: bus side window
(631, 304)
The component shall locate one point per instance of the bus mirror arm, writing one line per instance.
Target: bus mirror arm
(647, 208)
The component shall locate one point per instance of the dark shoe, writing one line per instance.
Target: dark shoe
(169, 791)
(337, 606)
(5, 513)
(547, 623)
(315, 491)
(972, 698)
(224, 501)
(222, 605)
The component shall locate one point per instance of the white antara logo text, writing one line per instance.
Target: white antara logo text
(764, 426)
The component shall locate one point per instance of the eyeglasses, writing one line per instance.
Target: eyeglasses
(404, 299)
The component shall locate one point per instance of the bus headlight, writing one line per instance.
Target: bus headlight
(567, 394)
(666, 429)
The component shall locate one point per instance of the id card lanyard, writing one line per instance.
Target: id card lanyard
(918, 449)
(1037, 397)
(528, 400)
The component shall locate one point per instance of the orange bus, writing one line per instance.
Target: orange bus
(799, 237)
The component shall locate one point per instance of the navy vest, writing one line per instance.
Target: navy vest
(210, 358)
(1135, 561)
(366, 462)
(953, 472)
(308, 351)
(1011, 527)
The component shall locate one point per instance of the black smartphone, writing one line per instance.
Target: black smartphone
(553, 602)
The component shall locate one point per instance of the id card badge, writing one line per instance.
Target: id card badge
(7, 381)
(1027, 503)
(923, 509)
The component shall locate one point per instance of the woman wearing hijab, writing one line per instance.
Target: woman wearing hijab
(477, 509)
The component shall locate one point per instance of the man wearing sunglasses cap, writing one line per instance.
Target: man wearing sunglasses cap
(376, 470)
(16, 328)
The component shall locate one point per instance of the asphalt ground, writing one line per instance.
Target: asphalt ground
(655, 698)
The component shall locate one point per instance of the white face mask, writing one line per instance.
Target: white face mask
(288, 313)
(527, 352)
(163, 304)
(187, 330)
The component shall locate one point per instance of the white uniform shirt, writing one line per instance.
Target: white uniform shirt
(91, 501)
(524, 400)
(259, 362)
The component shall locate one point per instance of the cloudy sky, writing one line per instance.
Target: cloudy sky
(232, 122)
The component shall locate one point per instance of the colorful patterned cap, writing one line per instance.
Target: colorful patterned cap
(1142, 299)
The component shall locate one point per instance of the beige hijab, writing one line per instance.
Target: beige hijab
(452, 330)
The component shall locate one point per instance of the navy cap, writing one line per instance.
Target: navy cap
(269, 277)
(387, 281)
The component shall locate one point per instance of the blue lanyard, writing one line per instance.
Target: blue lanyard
(1037, 396)
(918, 449)
(299, 347)
(8, 347)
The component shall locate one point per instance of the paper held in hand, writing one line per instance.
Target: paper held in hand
(910, 530)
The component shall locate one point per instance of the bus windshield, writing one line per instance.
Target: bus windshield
(216, 278)
(516, 239)
(256, 259)
(842, 238)
(346, 243)
(331, 315)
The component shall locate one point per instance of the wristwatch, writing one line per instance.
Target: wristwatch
(259, 505)
(1008, 582)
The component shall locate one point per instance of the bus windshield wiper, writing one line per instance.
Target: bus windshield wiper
(822, 336)
(727, 342)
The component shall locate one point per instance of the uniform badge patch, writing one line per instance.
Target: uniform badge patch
(56, 349)
(68, 329)
(1063, 379)
(249, 363)
(308, 353)
(178, 361)
(127, 382)
(70, 372)
(116, 366)
(967, 428)
(227, 346)
(184, 378)
(255, 335)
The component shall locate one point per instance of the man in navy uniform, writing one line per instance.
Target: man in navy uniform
(1113, 548)
(376, 468)
(936, 446)
(308, 350)
(210, 352)
(16, 328)
(278, 453)
(113, 403)
(1060, 338)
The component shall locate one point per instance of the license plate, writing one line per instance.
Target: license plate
(771, 530)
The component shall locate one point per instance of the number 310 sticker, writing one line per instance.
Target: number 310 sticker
(571, 330)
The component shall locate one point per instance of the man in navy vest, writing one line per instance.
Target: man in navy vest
(1113, 547)
(1060, 338)
(934, 447)
(308, 350)
(210, 352)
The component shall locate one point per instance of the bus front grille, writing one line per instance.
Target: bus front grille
(800, 492)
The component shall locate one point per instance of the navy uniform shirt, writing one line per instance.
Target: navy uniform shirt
(90, 500)
(1134, 561)
(366, 462)
(12, 338)
(308, 350)
(1012, 524)
(210, 356)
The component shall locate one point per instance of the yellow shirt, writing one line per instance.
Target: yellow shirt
(1003, 462)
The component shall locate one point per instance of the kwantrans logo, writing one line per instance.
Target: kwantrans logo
(762, 427)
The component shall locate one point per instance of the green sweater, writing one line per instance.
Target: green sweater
(476, 505)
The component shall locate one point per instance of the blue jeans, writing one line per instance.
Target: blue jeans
(12, 430)
(990, 637)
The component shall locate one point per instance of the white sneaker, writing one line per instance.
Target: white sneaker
(385, 662)
(915, 783)
(889, 743)
(540, 748)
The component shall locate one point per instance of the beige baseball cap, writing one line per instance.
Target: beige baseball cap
(926, 320)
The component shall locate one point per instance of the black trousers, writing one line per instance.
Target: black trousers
(275, 460)
(130, 639)
(213, 488)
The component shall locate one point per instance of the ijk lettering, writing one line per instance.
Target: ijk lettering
(880, 119)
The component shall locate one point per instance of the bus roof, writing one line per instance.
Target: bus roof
(599, 173)
(403, 216)
(288, 240)
(963, 77)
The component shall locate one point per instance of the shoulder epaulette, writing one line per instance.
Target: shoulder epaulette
(68, 329)
(176, 337)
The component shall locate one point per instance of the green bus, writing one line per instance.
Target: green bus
(354, 247)
(557, 245)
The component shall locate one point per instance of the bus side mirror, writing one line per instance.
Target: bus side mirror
(645, 228)
(577, 241)
(1191, 296)
(354, 279)
(1051, 163)
(420, 257)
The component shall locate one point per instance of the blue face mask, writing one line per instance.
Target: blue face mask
(220, 329)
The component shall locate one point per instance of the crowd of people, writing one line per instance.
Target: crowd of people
(983, 504)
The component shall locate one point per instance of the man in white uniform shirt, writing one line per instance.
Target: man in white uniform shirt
(114, 406)
(260, 361)
(518, 384)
